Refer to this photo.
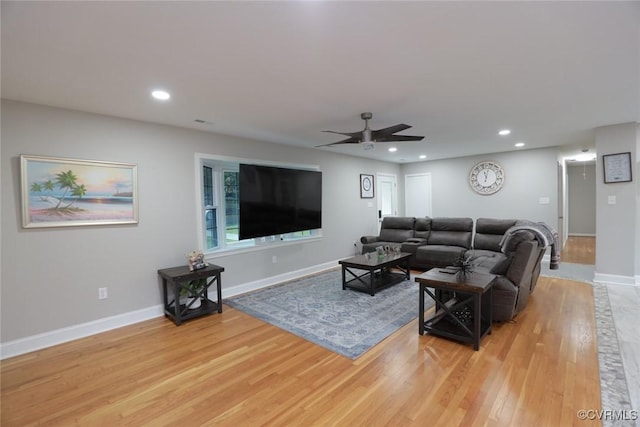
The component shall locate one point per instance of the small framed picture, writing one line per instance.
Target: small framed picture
(617, 167)
(366, 186)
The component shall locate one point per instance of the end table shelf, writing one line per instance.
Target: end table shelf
(176, 278)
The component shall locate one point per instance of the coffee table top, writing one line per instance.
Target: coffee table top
(373, 261)
(447, 278)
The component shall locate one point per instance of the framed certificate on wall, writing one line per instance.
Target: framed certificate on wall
(366, 186)
(617, 167)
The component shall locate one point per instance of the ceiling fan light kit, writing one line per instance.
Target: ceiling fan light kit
(367, 137)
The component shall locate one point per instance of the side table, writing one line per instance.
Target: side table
(176, 278)
(463, 304)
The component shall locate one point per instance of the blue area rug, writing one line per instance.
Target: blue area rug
(567, 270)
(344, 321)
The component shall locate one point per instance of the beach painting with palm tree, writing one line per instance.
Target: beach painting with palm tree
(69, 192)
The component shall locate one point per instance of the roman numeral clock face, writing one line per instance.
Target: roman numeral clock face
(486, 178)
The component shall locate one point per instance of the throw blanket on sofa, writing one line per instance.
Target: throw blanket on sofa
(546, 235)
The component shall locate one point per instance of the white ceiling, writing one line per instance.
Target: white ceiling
(285, 71)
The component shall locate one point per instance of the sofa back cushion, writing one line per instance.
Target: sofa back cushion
(451, 232)
(422, 228)
(396, 229)
(489, 233)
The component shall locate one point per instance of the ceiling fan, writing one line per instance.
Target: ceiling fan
(368, 136)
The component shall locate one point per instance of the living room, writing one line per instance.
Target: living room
(51, 277)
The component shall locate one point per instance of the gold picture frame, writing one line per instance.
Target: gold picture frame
(61, 192)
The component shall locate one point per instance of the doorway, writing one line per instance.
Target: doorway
(387, 196)
(417, 195)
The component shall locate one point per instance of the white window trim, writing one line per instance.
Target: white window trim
(251, 245)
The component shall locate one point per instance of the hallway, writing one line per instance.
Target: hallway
(623, 303)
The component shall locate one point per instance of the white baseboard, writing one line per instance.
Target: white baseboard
(614, 279)
(581, 235)
(268, 281)
(59, 336)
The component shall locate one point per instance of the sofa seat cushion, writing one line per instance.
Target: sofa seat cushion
(411, 246)
(439, 255)
(488, 261)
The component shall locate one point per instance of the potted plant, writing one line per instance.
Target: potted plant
(464, 265)
(192, 292)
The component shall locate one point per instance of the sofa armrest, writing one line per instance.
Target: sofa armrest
(368, 239)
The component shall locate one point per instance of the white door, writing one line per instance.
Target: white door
(417, 195)
(387, 196)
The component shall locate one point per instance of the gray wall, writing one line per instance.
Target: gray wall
(529, 175)
(617, 224)
(582, 199)
(50, 277)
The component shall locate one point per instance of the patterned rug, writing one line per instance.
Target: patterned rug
(344, 321)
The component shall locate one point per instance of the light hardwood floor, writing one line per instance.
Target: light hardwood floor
(232, 369)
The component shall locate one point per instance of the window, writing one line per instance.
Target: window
(220, 202)
(219, 207)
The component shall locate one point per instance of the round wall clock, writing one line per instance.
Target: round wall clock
(486, 178)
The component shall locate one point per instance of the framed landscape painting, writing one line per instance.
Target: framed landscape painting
(58, 192)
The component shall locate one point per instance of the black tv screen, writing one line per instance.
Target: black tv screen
(277, 200)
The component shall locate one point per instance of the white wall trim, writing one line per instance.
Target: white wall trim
(59, 336)
(269, 281)
(581, 235)
(83, 330)
(614, 279)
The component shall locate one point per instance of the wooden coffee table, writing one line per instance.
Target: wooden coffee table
(463, 304)
(377, 271)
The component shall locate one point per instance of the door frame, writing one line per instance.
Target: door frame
(380, 176)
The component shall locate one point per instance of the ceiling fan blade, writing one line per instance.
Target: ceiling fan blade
(390, 130)
(351, 134)
(352, 140)
(399, 138)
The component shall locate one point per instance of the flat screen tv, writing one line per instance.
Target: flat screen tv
(276, 200)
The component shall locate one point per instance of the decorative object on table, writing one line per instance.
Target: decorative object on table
(463, 265)
(486, 178)
(617, 167)
(316, 309)
(59, 192)
(196, 260)
(380, 252)
(366, 186)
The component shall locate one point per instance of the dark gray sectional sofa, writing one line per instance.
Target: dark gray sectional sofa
(440, 242)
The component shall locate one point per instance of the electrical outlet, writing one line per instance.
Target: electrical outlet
(102, 293)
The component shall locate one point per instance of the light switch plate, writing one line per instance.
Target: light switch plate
(611, 200)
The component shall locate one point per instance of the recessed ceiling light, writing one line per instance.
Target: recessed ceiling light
(423, 156)
(161, 95)
(504, 132)
(393, 149)
(519, 144)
